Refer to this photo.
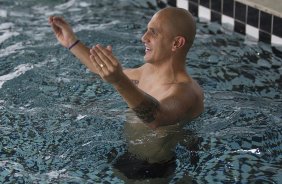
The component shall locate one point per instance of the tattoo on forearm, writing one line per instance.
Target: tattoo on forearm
(136, 82)
(147, 110)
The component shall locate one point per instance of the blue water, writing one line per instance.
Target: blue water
(58, 121)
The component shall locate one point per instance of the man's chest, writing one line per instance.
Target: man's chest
(154, 88)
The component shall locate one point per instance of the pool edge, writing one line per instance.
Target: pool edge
(252, 19)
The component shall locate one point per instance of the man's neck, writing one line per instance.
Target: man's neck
(168, 71)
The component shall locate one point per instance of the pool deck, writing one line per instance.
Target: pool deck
(259, 20)
(273, 7)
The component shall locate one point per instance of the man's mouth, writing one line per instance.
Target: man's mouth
(147, 49)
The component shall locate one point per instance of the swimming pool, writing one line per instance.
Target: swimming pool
(59, 122)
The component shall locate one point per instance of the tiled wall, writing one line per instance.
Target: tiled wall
(242, 18)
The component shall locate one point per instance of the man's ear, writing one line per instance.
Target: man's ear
(179, 42)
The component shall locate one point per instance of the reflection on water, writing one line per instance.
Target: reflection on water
(59, 123)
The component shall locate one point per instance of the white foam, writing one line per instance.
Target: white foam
(20, 14)
(10, 166)
(84, 4)
(254, 151)
(48, 177)
(79, 117)
(62, 79)
(6, 25)
(40, 8)
(7, 35)
(65, 5)
(86, 143)
(3, 13)
(55, 12)
(98, 27)
(11, 49)
(19, 70)
(55, 174)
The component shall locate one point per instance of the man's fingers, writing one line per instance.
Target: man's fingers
(102, 57)
(96, 64)
(55, 28)
(60, 22)
(98, 60)
(103, 64)
(109, 48)
(105, 53)
(55, 24)
(50, 19)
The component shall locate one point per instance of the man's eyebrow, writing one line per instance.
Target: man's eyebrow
(154, 30)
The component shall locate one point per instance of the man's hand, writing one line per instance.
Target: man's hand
(106, 64)
(62, 30)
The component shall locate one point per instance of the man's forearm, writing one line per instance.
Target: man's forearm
(82, 53)
(145, 106)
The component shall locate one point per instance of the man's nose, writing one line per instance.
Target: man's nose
(144, 37)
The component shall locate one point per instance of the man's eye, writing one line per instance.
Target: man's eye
(153, 32)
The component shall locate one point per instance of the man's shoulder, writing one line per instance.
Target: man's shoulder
(190, 97)
(187, 89)
(133, 73)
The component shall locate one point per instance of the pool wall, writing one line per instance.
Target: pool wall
(259, 20)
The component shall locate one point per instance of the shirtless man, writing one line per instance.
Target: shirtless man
(160, 92)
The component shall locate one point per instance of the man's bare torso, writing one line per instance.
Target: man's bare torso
(184, 87)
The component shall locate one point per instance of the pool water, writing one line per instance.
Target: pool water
(59, 122)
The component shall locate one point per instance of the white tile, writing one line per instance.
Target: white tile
(275, 40)
(204, 13)
(252, 32)
(227, 22)
(182, 4)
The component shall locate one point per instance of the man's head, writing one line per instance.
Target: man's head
(170, 31)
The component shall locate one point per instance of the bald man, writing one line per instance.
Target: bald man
(160, 93)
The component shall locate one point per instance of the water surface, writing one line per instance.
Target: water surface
(59, 121)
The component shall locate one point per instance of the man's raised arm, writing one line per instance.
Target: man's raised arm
(143, 105)
(68, 39)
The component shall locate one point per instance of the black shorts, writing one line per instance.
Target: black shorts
(134, 168)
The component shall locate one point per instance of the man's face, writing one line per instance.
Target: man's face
(158, 41)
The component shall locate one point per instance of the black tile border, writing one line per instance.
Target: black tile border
(205, 3)
(253, 16)
(195, 1)
(193, 8)
(172, 2)
(216, 5)
(228, 8)
(216, 17)
(265, 21)
(277, 26)
(264, 37)
(240, 27)
(240, 12)
(242, 16)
